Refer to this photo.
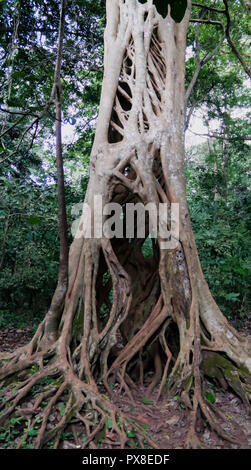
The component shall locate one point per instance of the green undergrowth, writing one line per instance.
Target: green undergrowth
(27, 319)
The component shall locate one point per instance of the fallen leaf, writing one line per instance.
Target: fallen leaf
(174, 420)
(158, 427)
(146, 401)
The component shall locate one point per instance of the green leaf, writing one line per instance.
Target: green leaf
(108, 423)
(62, 407)
(12, 102)
(32, 432)
(146, 401)
(232, 296)
(34, 220)
(130, 434)
(18, 74)
(210, 397)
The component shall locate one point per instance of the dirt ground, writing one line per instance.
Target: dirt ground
(167, 422)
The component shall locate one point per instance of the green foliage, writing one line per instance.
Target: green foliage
(217, 171)
(108, 423)
(147, 248)
(10, 432)
(219, 205)
(29, 244)
(210, 397)
(146, 401)
(216, 188)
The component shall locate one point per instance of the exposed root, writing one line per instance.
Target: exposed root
(48, 400)
(45, 395)
(113, 290)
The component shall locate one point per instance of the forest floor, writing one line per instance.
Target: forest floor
(166, 422)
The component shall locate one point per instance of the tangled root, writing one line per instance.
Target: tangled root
(41, 398)
(45, 393)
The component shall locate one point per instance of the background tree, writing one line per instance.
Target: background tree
(174, 320)
(28, 171)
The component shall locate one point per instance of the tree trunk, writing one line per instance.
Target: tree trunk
(57, 303)
(160, 309)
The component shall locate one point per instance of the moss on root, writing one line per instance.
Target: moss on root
(43, 408)
(218, 368)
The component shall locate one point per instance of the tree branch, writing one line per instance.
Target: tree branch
(208, 57)
(200, 5)
(220, 136)
(230, 42)
(199, 64)
(21, 113)
(212, 22)
(12, 126)
(225, 29)
(6, 227)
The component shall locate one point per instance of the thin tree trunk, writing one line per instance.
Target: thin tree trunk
(57, 303)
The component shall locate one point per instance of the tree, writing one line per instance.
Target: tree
(161, 306)
(28, 54)
(60, 292)
(220, 225)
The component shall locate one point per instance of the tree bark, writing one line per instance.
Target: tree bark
(159, 309)
(57, 304)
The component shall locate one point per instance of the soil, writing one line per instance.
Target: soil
(12, 338)
(167, 421)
